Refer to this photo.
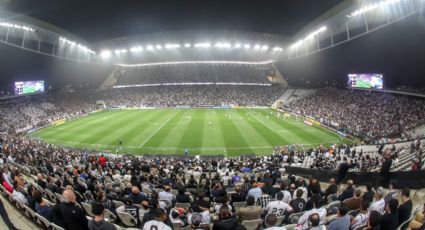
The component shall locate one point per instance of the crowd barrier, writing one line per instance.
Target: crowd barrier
(413, 180)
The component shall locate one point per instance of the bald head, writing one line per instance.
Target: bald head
(69, 196)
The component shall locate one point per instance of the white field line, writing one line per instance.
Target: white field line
(157, 130)
(173, 148)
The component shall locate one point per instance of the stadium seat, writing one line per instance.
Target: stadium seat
(177, 226)
(87, 209)
(332, 208)
(183, 205)
(52, 197)
(280, 220)
(294, 217)
(59, 197)
(118, 203)
(112, 218)
(239, 205)
(127, 219)
(252, 224)
(43, 221)
(56, 227)
(291, 226)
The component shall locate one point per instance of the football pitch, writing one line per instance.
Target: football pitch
(229, 132)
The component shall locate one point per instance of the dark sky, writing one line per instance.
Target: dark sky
(95, 20)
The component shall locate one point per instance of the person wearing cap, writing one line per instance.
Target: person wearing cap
(379, 204)
(342, 222)
(158, 222)
(195, 220)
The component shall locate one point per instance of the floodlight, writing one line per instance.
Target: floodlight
(136, 49)
(158, 47)
(105, 54)
(203, 45)
(172, 46)
(187, 45)
(150, 47)
(277, 49)
(247, 46)
(257, 47)
(238, 45)
(265, 47)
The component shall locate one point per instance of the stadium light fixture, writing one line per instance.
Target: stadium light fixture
(257, 47)
(247, 46)
(105, 54)
(238, 45)
(203, 45)
(264, 48)
(172, 46)
(310, 36)
(80, 46)
(223, 45)
(150, 47)
(277, 49)
(136, 49)
(16, 26)
(158, 47)
(370, 7)
(187, 45)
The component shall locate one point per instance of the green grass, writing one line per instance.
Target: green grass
(173, 130)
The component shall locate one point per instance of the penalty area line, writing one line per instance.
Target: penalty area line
(157, 130)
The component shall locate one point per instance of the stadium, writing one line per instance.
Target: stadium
(212, 114)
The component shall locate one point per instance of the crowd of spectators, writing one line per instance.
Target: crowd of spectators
(194, 73)
(371, 114)
(187, 192)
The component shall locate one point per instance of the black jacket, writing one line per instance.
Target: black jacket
(404, 211)
(226, 224)
(69, 216)
(101, 225)
(389, 221)
(151, 216)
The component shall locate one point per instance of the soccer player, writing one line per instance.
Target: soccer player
(278, 207)
(186, 151)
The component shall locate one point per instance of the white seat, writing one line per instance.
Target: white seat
(127, 219)
(251, 224)
(87, 208)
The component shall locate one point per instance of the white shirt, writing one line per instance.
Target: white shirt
(163, 195)
(157, 225)
(19, 196)
(304, 218)
(360, 219)
(278, 208)
(275, 228)
(378, 205)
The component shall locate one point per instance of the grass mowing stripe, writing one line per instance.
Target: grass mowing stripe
(305, 136)
(168, 138)
(52, 131)
(212, 134)
(78, 127)
(232, 137)
(146, 125)
(265, 130)
(99, 132)
(114, 135)
(193, 134)
(157, 130)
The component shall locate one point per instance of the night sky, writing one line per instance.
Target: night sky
(397, 51)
